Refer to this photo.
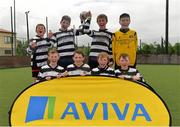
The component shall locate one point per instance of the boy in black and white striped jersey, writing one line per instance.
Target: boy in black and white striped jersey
(38, 49)
(64, 40)
(103, 68)
(126, 72)
(78, 67)
(101, 41)
(52, 69)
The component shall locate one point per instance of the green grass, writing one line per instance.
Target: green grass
(12, 82)
(163, 78)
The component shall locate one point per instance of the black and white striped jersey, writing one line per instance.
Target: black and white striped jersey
(64, 40)
(107, 71)
(74, 70)
(129, 73)
(101, 42)
(48, 71)
(39, 55)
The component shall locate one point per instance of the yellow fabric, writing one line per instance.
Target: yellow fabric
(125, 43)
(91, 90)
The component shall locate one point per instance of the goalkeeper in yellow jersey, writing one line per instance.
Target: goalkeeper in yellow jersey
(124, 41)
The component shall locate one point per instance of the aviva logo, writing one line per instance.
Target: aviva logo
(88, 101)
(37, 106)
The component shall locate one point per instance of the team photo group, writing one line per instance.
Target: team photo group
(111, 53)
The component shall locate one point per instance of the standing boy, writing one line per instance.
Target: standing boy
(64, 40)
(38, 48)
(101, 41)
(125, 41)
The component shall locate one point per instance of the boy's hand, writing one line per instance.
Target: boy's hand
(88, 14)
(110, 64)
(33, 45)
(50, 34)
(59, 76)
(84, 15)
(48, 78)
(121, 76)
(65, 74)
(135, 78)
(83, 74)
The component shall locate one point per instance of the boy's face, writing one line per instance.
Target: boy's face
(103, 61)
(64, 24)
(53, 57)
(124, 62)
(124, 22)
(78, 58)
(102, 23)
(40, 30)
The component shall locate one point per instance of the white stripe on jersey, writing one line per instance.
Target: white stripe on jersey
(101, 33)
(44, 42)
(65, 39)
(94, 54)
(106, 73)
(51, 72)
(46, 74)
(101, 39)
(100, 47)
(66, 54)
(42, 50)
(41, 64)
(41, 57)
(65, 47)
(78, 71)
(62, 34)
(132, 70)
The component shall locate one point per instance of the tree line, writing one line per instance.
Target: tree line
(144, 48)
(156, 48)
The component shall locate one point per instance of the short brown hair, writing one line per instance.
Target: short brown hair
(52, 51)
(79, 52)
(40, 24)
(124, 15)
(67, 18)
(103, 55)
(123, 55)
(102, 16)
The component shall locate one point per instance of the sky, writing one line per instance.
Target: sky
(147, 16)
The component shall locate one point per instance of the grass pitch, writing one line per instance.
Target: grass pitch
(165, 79)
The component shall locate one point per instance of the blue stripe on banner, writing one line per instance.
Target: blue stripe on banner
(36, 108)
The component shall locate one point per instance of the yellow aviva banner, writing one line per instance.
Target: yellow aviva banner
(89, 101)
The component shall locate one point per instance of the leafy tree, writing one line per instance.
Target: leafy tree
(145, 49)
(156, 48)
(171, 49)
(159, 50)
(21, 48)
(176, 48)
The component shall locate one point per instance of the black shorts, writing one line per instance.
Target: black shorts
(35, 71)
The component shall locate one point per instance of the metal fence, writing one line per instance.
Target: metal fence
(24, 61)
